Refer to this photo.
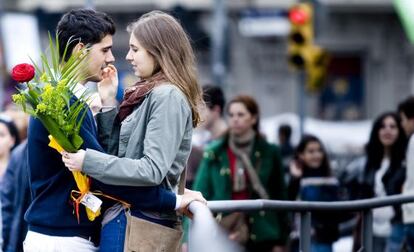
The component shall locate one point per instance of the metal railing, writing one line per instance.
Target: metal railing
(206, 235)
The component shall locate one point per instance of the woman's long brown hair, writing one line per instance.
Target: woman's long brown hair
(164, 38)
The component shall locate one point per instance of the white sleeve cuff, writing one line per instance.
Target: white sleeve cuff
(178, 201)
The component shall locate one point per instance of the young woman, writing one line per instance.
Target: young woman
(149, 137)
(382, 173)
(238, 163)
(9, 138)
(311, 180)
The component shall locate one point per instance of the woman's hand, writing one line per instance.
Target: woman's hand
(73, 161)
(108, 86)
(295, 169)
(279, 248)
(188, 197)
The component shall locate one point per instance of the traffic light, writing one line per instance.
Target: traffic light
(303, 54)
(316, 69)
(301, 35)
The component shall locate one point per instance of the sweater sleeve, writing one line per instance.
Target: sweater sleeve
(293, 188)
(105, 122)
(145, 198)
(154, 198)
(168, 116)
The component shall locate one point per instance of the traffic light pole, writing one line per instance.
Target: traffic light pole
(301, 101)
(218, 40)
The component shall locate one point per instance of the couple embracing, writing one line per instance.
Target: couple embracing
(135, 153)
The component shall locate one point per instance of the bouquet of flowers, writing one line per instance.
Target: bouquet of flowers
(46, 95)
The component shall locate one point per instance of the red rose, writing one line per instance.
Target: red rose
(23, 72)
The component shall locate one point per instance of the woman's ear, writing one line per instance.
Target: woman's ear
(157, 67)
(301, 157)
(254, 120)
(12, 142)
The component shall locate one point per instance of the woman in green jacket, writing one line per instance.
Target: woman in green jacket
(240, 161)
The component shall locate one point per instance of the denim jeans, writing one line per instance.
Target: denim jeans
(321, 247)
(113, 234)
(409, 236)
(396, 238)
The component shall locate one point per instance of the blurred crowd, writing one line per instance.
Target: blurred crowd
(232, 160)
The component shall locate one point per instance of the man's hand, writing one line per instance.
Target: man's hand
(188, 197)
(73, 161)
(108, 86)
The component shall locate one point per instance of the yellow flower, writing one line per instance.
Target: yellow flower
(44, 78)
(63, 82)
(18, 98)
(41, 108)
(48, 87)
(48, 91)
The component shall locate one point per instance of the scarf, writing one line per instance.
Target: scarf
(239, 146)
(134, 96)
(242, 147)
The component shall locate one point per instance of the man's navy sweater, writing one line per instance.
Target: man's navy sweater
(51, 211)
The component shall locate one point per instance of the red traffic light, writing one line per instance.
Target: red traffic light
(298, 16)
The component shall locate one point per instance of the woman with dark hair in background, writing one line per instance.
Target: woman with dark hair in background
(243, 165)
(9, 139)
(382, 173)
(311, 180)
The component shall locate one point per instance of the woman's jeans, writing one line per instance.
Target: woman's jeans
(409, 236)
(396, 239)
(113, 234)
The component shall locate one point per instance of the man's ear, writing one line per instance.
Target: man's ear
(216, 108)
(78, 47)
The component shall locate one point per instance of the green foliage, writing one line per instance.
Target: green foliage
(47, 96)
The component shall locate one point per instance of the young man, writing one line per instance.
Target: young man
(213, 127)
(53, 225)
(406, 111)
(214, 122)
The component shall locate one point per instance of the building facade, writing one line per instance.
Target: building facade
(370, 71)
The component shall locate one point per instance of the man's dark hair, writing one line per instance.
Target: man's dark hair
(407, 107)
(82, 25)
(286, 131)
(213, 96)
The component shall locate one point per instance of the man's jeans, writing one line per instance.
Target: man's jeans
(113, 234)
(37, 242)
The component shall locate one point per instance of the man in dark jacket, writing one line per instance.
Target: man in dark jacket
(52, 223)
(15, 198)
